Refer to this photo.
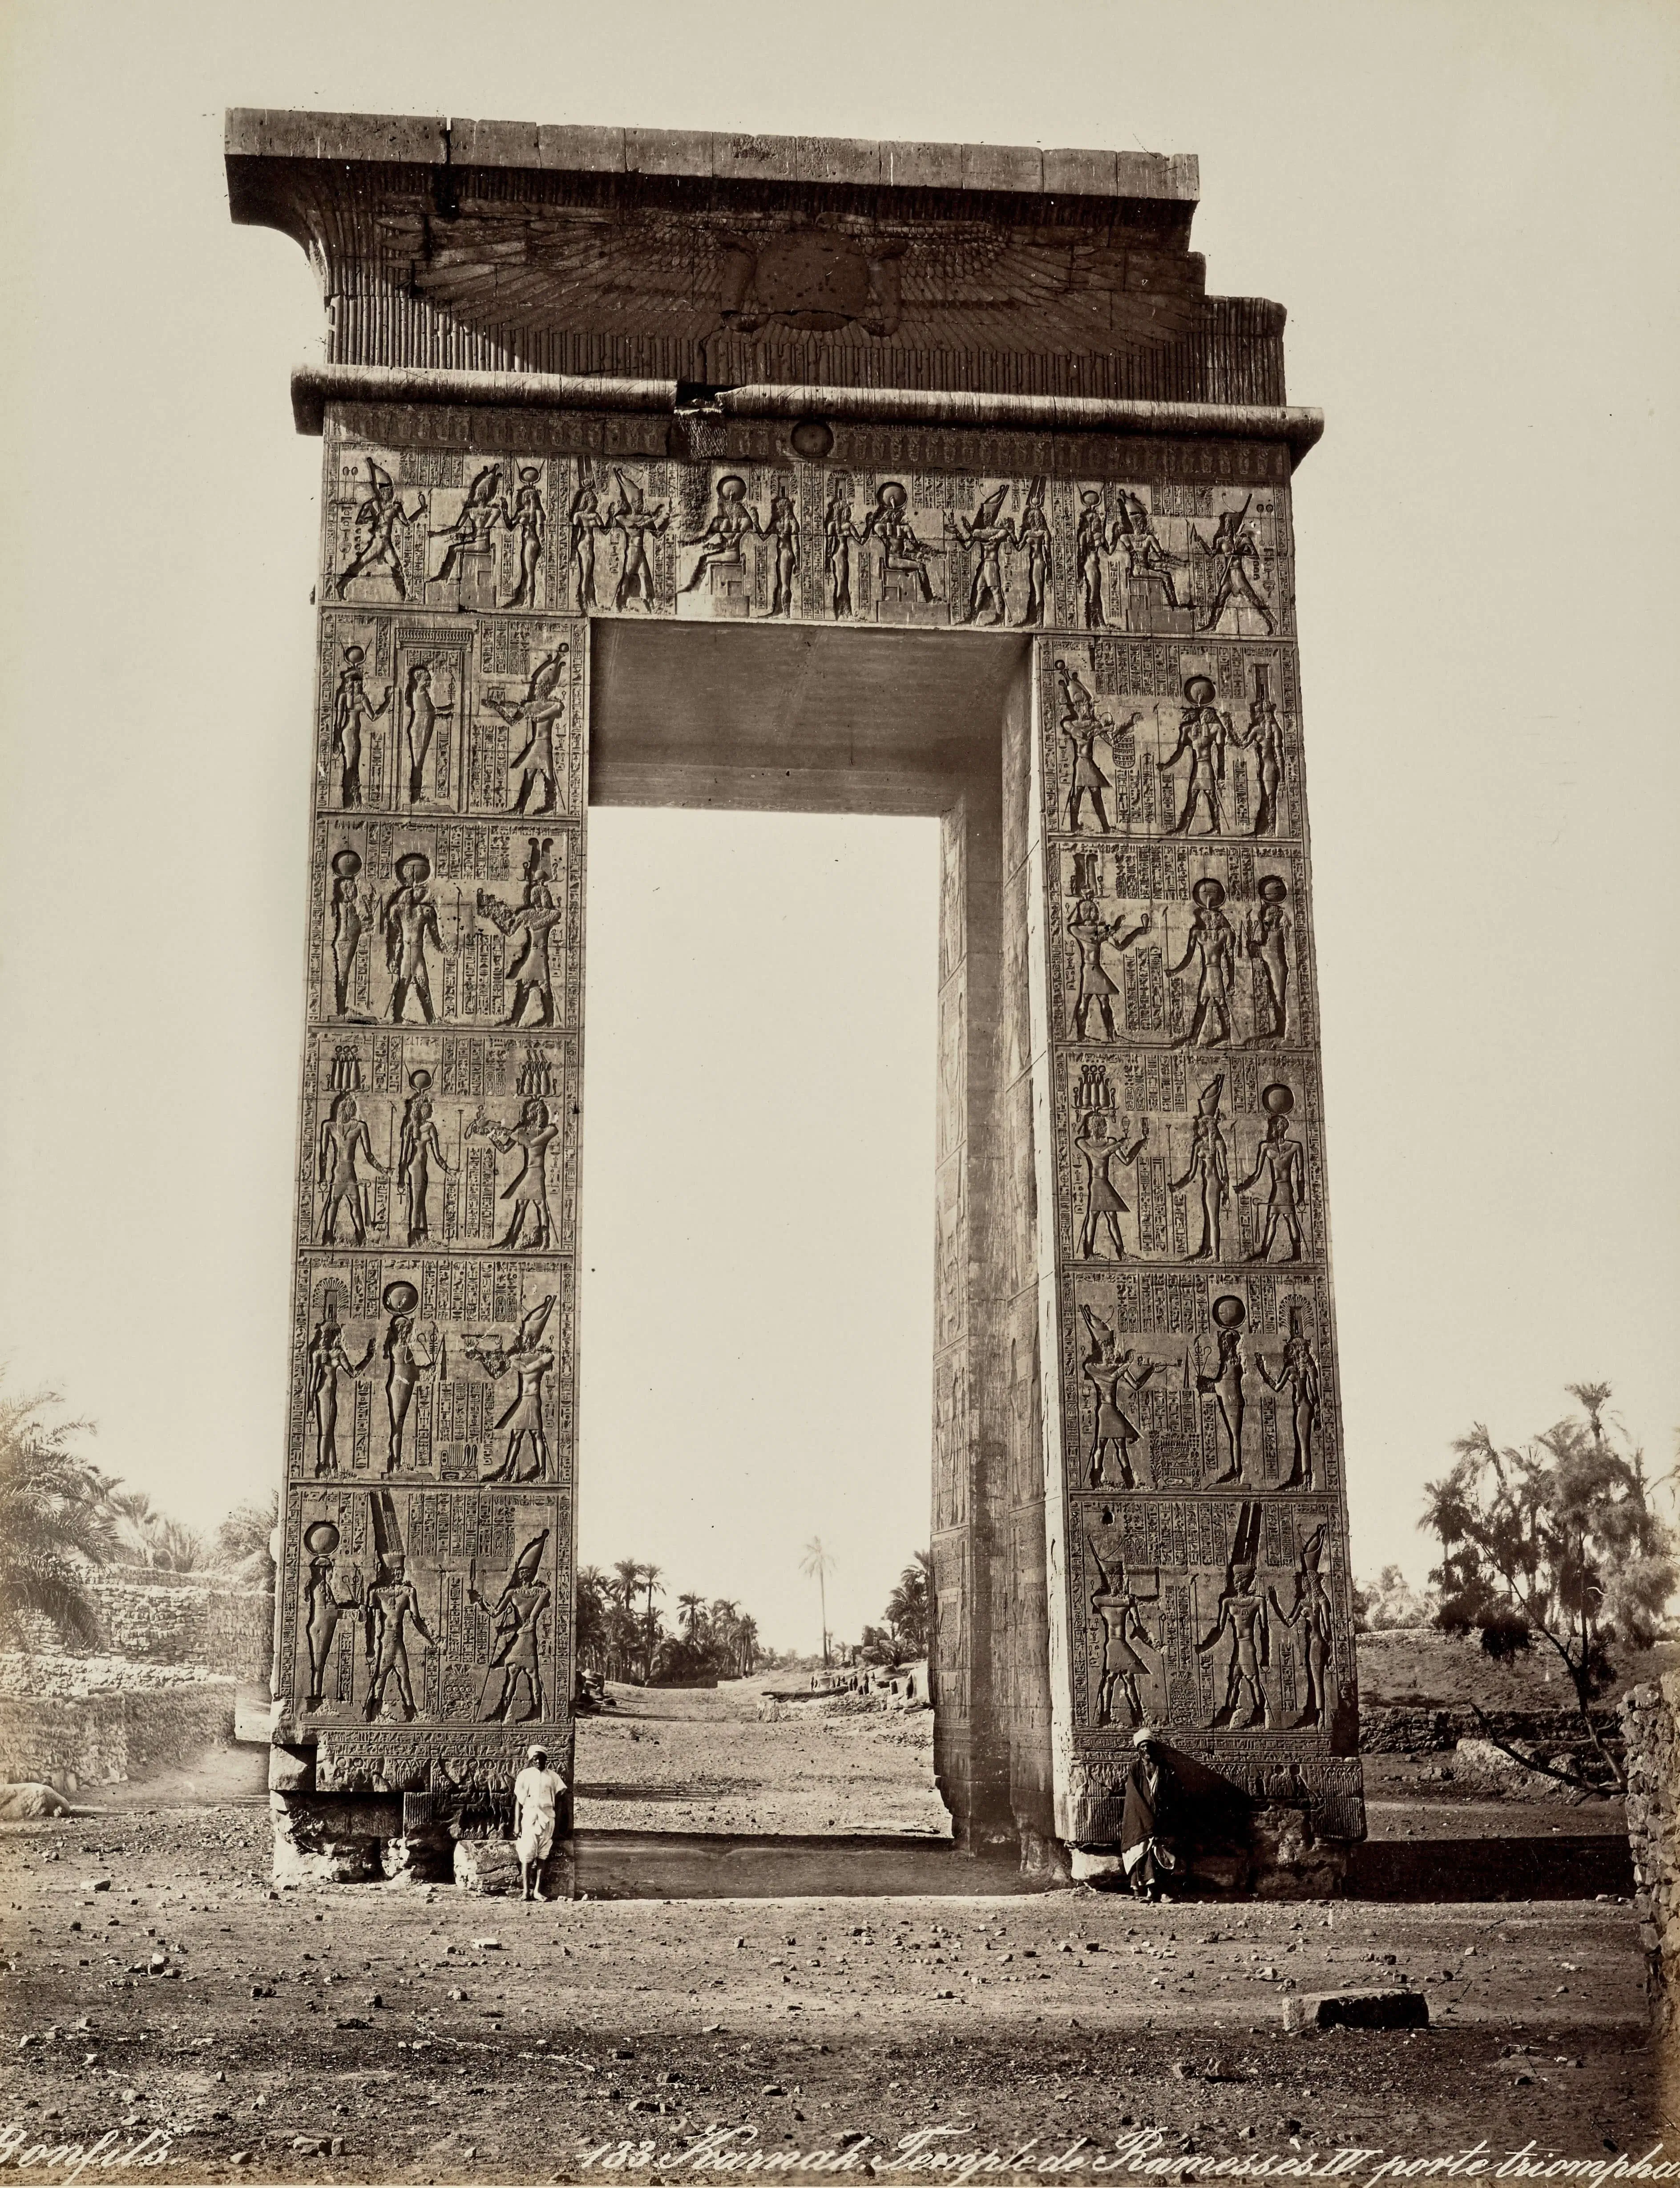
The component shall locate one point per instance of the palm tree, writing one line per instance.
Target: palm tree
(693, 1608)
(246, 1530)
(593, 1598)
(907, 1606)
(627, 1575)
(53, 1525)
(817, 1564)
(746, 1641)
(650, 1577)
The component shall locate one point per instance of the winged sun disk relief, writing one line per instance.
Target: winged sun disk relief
(965, 284)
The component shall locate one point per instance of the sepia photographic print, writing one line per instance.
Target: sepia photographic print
(730, 814)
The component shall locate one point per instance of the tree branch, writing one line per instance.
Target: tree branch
(1545, 1769)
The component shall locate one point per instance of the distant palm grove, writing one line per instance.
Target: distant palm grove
(621, 1632)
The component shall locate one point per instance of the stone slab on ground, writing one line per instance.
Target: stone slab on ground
(1357, 2009)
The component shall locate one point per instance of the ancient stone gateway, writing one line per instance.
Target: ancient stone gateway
(812, 475)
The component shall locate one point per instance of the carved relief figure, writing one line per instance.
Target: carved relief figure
(1032, 540)
(1203, 732)
(733, 521)
(1116, 1604)
(633, 520)
(1108, 1370)
(471, 532)
(410, 919)
(404, 1366)
(1148, 561)
(1103, 1206)
(350, 708)
(1241, 1619)
(989, 531)
(1226, 1382)
(902, 550)
(528, 520)
(1091, 541)
(516, 1616)
(377, 518)
(532, 1136)
(418, 1149)
(584, 521)
(1082, 725)
(530, 1360)
(543, 706)
(327, 1361)
(535, 917)
(1283, 1162)
(1211, 947)
(343, 1141)
(839, 536)
(1264, 737)
(783, 526)
(1312, 1605)
(1297, 1372)
(1090, 932)
(351, 909)
(420, 715)
(1235, 554)
(323, 1605)
(1207, 1171)
(1266, 942)
(391, 1607)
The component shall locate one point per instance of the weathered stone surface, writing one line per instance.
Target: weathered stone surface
(321, 1840)
(1357, 2009)
(492, 1865)
(1650, 1724)
(291, 1769)
(97, 1738)
(1139, 1490)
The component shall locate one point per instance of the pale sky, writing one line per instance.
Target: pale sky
(1470, 213)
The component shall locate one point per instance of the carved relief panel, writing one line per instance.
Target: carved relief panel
(1202, 1526)
(425, 1616)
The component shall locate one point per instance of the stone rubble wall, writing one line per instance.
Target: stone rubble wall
(225, 1628)
(1435, 1731)
(97, 1738)
(1650, 1720)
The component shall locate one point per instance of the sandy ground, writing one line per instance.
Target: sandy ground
(725, 1760)
(398, 2033)
(439, 2036)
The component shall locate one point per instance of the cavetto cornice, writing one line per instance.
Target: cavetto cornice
(718, 259)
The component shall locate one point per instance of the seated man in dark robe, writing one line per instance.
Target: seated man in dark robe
(1148, 1858)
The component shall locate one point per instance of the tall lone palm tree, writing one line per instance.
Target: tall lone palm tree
(817, 1564)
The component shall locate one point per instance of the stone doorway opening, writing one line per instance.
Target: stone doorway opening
(802, 723)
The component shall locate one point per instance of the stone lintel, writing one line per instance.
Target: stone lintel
(256, 134)
(313, 387)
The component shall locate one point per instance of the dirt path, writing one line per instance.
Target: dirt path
(381, 2018)
(725, 1759)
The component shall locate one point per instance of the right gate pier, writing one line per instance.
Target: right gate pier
(1196, 1578)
